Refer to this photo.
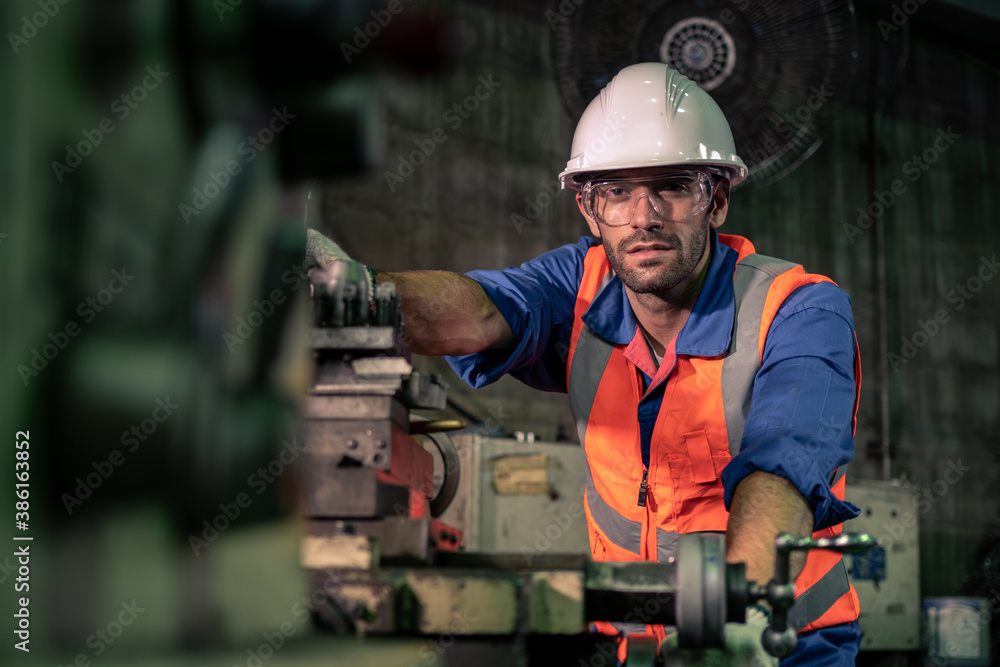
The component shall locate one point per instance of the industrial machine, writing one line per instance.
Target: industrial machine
(383, 564)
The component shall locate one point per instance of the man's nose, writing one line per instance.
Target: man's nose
(644, 213)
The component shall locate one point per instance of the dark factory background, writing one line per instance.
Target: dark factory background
(155, 159)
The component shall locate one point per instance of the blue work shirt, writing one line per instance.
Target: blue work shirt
(800, 425)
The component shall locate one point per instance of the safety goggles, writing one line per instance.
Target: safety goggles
(676, 196)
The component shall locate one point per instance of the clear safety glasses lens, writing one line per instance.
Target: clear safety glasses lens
(674, 197)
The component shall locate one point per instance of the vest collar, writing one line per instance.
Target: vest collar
(709, 328)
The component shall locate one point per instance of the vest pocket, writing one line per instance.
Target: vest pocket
(699, 498)
(699, 452)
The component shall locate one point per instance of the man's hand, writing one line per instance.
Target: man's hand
(765, 505)
(320, 251)
(443, 312)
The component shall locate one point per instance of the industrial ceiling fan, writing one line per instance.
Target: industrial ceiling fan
(771, 65)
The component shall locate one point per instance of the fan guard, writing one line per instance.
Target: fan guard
(700, 49)
(771, 65)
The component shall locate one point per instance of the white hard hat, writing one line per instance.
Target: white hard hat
(650, 116)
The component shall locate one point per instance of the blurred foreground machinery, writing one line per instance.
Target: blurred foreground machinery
(382, 564)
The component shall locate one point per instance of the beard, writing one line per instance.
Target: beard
(654, 276)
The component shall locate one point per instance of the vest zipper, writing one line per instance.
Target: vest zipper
(642, 488)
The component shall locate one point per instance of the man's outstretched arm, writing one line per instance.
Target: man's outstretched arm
(443, 312)
(447, 313)
(488, 323)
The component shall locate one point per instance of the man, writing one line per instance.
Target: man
(714, 389)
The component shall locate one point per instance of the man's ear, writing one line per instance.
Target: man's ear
(595, 229)
(720, 204)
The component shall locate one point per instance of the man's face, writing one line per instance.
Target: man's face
(653, 255)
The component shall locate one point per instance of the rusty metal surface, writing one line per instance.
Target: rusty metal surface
(335, 492)
(358, 403)
(365, 441)
(399, 538)
(354, 338)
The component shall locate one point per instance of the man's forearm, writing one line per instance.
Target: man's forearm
(765, 505)
(447, 313)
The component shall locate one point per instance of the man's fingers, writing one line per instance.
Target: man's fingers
(320, 251)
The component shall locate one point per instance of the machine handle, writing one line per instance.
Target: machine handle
(779, 638)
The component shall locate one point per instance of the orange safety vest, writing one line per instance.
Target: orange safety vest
(697, 432)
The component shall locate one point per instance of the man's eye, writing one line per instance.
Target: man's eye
(616, 192)
(674, 186)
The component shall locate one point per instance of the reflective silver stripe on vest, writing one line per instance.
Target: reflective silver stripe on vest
(754, 275)
(624, 532)
(590, 358)
(837, 474)
(818, 599)
(666, 545)
(629, 628)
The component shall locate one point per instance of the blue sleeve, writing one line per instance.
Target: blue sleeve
(800, 424)
(537, 300)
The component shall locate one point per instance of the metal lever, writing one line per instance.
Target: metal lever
(779, 638)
